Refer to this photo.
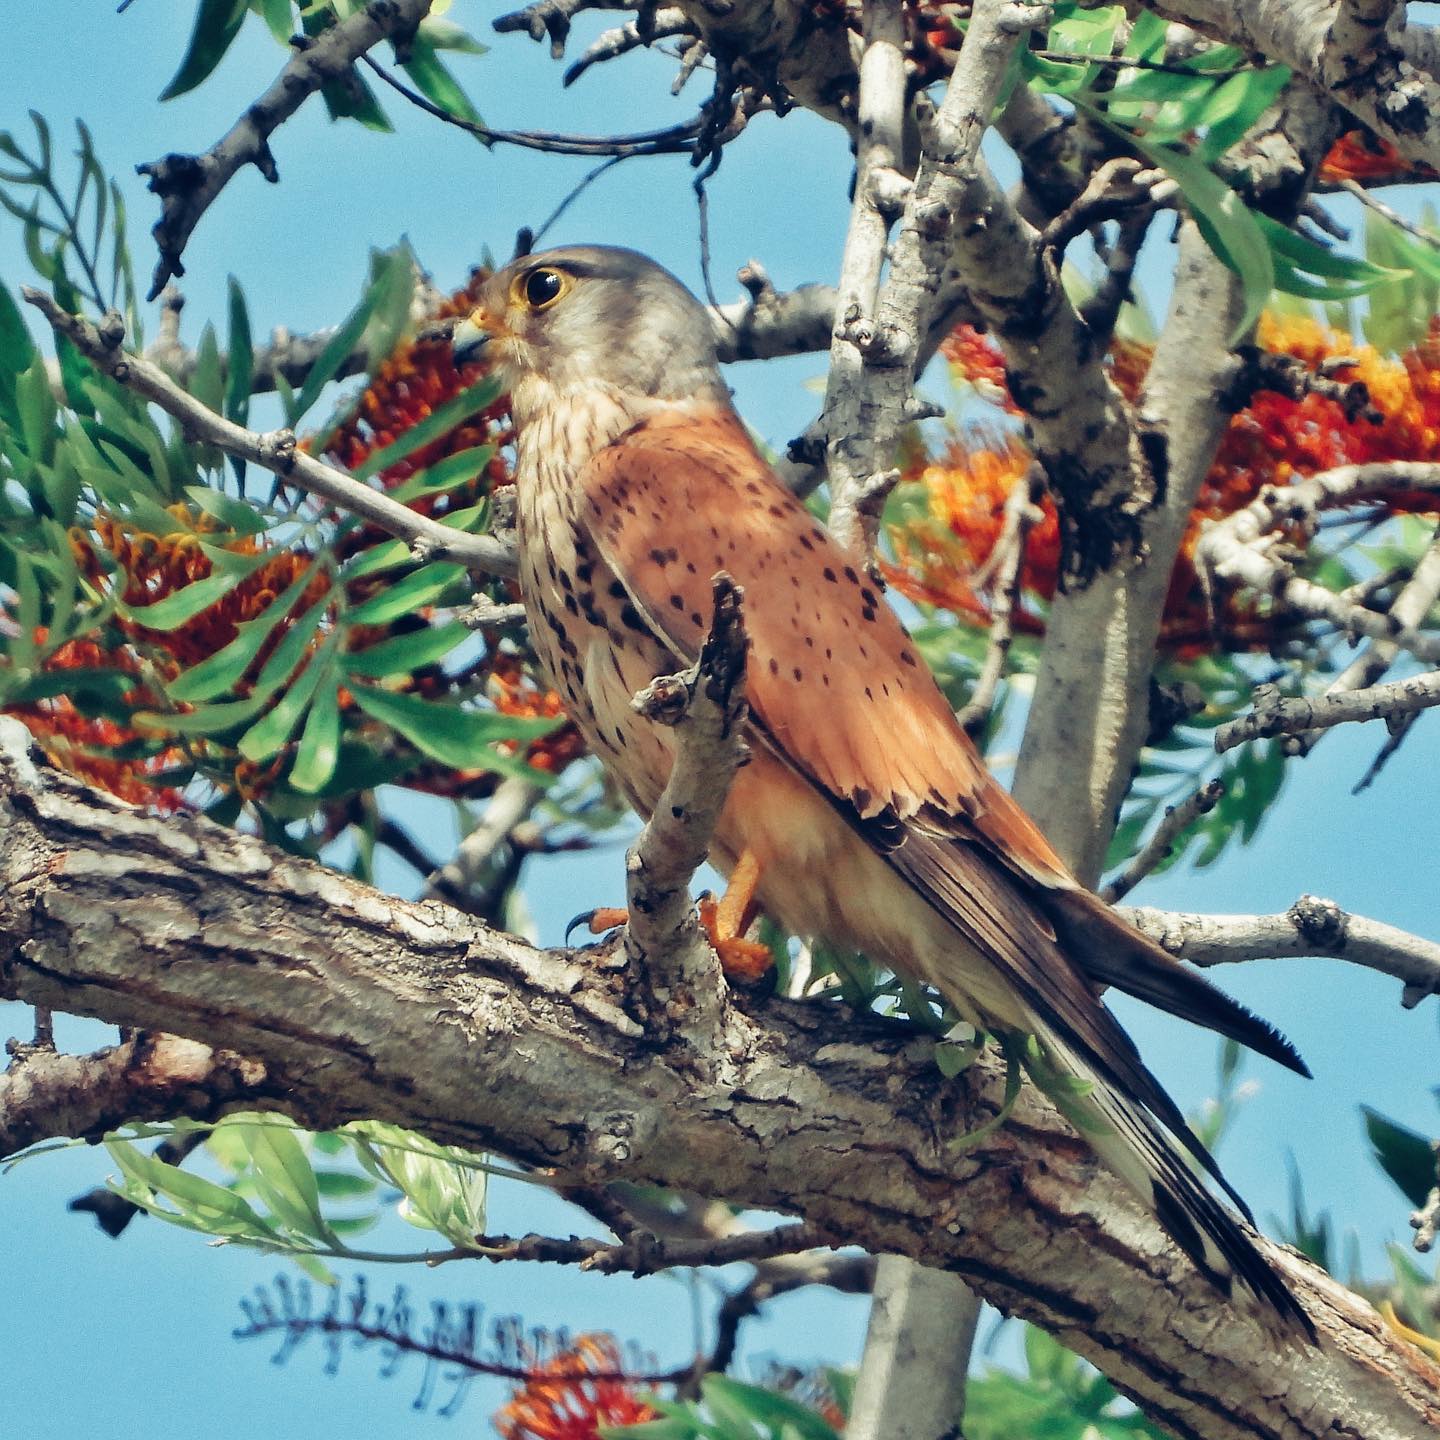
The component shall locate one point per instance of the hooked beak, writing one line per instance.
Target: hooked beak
(471, 336)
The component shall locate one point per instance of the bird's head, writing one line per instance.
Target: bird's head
(587, 315)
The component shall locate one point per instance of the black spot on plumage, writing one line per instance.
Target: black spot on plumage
(616, 589)
(868, 596)
(774, 666)
(799, 674)
(831, 576)
(677, 602)
(571, 605)
(851, 576)
(696, 618)
(776, 510)
(807, 542)
(868, 614)
(907, 658)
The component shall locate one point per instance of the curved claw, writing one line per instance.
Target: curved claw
(597, 921)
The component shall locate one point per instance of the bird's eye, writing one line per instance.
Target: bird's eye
(543, 287)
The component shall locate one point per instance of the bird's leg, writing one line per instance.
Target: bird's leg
(726, 920)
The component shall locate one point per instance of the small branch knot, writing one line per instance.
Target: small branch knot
(1322, 923)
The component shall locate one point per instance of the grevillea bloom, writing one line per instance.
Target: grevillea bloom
(571, 1396)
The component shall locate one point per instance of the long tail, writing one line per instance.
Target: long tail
(1111, 951)
(1133, 1142)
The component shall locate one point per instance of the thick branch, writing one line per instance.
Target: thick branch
(359, 1005)
(188, 184)
(1310, 927)
(148, 1077)
(276, 451)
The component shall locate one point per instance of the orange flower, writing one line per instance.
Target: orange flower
(572, 1395)
(946, 546)
(1363, 155)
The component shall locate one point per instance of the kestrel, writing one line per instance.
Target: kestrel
(866, 817)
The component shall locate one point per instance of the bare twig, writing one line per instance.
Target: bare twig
(706, 705)
(188, 184)
(276, 451)
(551, 18)
(1273, 713)
(1175, 822)
(673, 140)
(1007, 564)
(1311, 927)
(623, 39)
(513, 800)
(642, 1253)
(1245, 547)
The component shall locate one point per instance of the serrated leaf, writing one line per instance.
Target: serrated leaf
(455, 411)
(217, 23)
(403, 653)
(461, 739)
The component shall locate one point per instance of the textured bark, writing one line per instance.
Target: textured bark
(354, 1004)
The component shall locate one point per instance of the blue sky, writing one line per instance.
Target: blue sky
(132, 1338)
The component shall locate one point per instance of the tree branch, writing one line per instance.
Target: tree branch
(1176, 821)
(46, 1093)
(188, 184)
(1274, 714)
(706, 705)
(358, 1005)
(1310, 927)
(642, 1253)
(276, 451)
(1245, 547)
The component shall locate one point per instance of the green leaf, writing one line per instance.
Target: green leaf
(269, 734)
(286, 1180)
(1228, 226)
(403, 653)
(766, 1406)
(421, 587)
(447, 35)
(210, 1207)
(217, 23)
(461, 739)
(234, 514)
(175, 609)
(213, 719)
(320, 743)
(342, 1184)
(278, 18)
(438, 423)
(337, 350)
(219, 672)
(392, 274)
(17, 350)
(1405, 1156)
(433, 80)
(240, 359)
(458, 469)
(1235, 105)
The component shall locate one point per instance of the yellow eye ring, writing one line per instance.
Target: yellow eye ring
(540, 288)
